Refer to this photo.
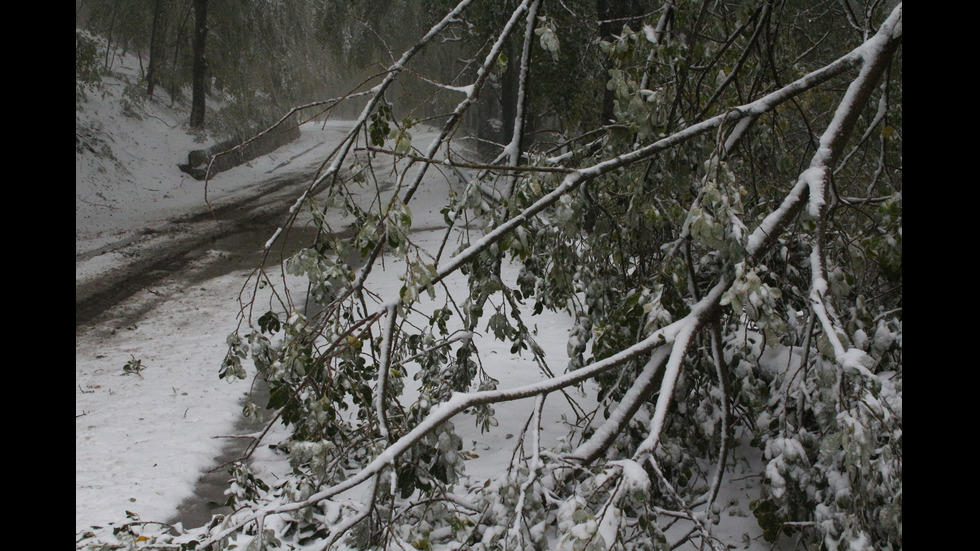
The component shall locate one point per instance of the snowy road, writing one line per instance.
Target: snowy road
(156, 285)
(165, 294)
(199, 251)
(237, 230)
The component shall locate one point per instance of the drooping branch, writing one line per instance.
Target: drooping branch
(472, 94)
(876, 58)
(677, 336)
(462, 401)
(535, 465)
(638, 393)
(874, 54)
(384, 365)
(512, 150)
(378, 91)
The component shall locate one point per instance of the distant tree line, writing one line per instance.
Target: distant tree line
(259, 59)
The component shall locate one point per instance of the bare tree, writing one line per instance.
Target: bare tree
(199, 77)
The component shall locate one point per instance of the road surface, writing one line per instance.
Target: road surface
(181, 254)
(237, 229)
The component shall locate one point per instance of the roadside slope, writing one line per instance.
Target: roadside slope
(131, 197)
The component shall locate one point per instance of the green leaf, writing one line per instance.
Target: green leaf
(278, 397)
(269, 322)
(403, 143)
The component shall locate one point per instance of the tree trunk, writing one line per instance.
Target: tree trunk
(509, 87)
(176, 60)
(613, 16)
(198, 79)
(151, 74)
(108, 46)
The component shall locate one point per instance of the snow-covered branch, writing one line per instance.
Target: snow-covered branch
(665, 350)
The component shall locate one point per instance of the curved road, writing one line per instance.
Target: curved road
(237, 228)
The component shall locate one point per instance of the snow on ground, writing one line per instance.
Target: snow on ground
(141, 440)
(143, 437)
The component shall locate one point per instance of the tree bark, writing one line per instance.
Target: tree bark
(151, 74)
(613, 16)
(198, 80)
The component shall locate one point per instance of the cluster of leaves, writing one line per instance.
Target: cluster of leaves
(133, 365)
(134, 533)
(88, 67)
